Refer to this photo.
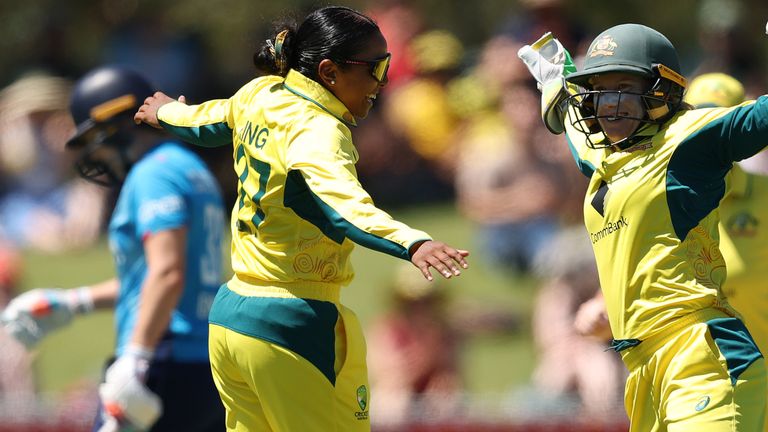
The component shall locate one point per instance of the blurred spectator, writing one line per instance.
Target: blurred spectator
(413, 350)
(413, 353)
(569, 363)
(420, 109)
(42, 205)
(401, 161)
(717, 22)
(16, 384)
(400, 22)
(509, 178)
(540, 16)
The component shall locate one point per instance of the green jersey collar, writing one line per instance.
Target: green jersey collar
(312, 91)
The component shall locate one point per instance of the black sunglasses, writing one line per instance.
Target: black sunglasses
(379, 67)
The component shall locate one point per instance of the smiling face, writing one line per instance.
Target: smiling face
(354, 84)
(619, 106)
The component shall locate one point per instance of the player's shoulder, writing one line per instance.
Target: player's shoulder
(320, 127)
(259, 85)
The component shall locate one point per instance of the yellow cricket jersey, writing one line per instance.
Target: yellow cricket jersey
(651, 212)
(744, 243)
(300, 205)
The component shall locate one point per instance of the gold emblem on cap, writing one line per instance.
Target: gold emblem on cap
(603, 46)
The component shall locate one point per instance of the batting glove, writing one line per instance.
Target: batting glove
(32, 315)
(128, 404)
(547, 60)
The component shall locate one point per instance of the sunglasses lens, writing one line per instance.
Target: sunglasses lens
(381, 67)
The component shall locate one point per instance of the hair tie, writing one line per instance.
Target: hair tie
(277, 49)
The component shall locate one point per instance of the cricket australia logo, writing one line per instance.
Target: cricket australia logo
(742, 225)
(604, 46)
(362, 402)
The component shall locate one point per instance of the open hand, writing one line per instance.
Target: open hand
(440, 256)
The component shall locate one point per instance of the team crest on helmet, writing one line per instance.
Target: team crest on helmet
(604, 46)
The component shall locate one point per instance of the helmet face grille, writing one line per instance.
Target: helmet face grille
(658, 106)
(103, 157)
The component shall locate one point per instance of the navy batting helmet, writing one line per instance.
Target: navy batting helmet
(102, 105)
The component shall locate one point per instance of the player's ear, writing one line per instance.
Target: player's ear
(327, 71)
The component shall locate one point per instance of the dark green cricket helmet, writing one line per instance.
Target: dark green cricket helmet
(630, 48)
(634, 49)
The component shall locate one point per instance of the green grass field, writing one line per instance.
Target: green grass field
(491, 363)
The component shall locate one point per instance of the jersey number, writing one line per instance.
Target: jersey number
(263, 170)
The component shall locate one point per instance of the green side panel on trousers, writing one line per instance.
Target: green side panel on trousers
(304, 326)
(736, 344)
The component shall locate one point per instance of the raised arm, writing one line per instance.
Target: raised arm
(208, 124)
(321, 164)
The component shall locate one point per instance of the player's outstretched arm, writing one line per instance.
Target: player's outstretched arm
(435, 254)
(33, 315)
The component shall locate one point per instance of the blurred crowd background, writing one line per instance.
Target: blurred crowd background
(457, 129)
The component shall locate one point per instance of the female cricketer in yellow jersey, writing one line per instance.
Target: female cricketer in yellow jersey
(286, 354)
(657, 174)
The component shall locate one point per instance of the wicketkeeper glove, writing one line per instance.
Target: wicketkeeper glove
(549, 63)
(32, 315)
(128, 404)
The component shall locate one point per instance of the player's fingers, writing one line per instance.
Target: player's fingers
(424, 268)
(139, 116)
(440, 266)
(450, 259)
(458, 256)
(182, 99)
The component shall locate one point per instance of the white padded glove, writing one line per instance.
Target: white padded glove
(128, 404)
(547, 60)
(32, 315)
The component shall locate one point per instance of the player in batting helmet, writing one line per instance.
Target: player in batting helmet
(102, 106)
